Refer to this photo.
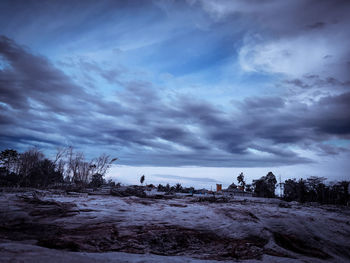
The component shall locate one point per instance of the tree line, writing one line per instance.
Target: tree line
(33, 169)
(312, 189)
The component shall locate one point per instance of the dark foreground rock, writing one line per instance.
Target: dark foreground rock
(186, 228)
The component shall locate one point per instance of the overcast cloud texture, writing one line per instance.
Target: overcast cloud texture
(179, 83)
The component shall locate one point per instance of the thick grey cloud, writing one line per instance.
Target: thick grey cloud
(30, 79)
(41, 105)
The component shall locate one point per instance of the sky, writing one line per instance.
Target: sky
(190, 91)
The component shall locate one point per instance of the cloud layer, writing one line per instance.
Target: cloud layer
(153, 118)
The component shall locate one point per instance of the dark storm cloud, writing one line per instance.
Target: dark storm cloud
(316, 81)
(199, 111)
(35, 92)
(327, 117)
(32, 79)
(326, 149)
(331, 115)
(42, 105)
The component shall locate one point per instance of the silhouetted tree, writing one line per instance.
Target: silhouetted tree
(167, 188)
(265, 186)
(28, 161)
(43, 174)
(80, 170)
(313, 189)
(9, 160)
(178, 188)
(31, 168)
(9, 167)
(342, 188)
(142, 179)
(241, 181)
(290, 191)
(160, 188)
(101, 164)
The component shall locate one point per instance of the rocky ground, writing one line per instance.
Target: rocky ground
(41, 226)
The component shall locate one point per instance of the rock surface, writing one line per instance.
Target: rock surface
(37, 225)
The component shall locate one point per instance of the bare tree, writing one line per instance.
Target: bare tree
(81, 170)
(61, 153)
(101, 164)
(60, 160)
(60, 166)
(76, 166)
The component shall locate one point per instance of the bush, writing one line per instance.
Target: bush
(97, 180)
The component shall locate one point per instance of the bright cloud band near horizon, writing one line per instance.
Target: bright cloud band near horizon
(258, 84)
